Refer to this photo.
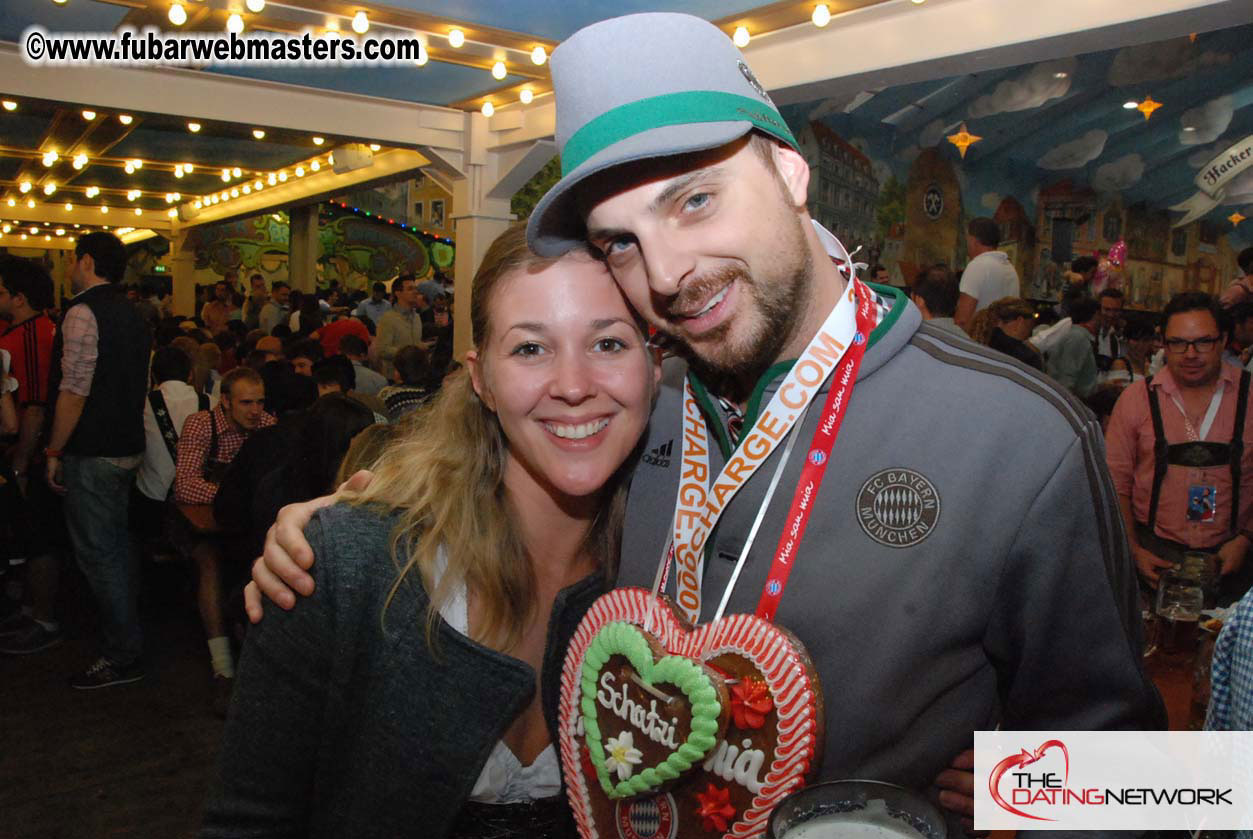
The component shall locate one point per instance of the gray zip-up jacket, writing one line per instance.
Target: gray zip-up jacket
(965, 564)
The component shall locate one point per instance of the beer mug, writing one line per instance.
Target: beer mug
(1180, 599)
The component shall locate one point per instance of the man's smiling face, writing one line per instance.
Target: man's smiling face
(710, 248)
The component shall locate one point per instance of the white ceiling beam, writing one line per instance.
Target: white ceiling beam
(215, 97)
(55, 215)
(899, 42)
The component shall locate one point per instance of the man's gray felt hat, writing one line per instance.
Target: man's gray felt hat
(637, 87)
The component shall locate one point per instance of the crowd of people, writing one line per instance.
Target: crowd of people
(125, 419)
(409, 629)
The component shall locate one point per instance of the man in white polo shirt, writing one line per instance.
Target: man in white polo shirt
(988, 275)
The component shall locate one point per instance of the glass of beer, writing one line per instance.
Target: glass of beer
(1180, 599)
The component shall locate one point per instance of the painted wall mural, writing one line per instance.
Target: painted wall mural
(1141, 145)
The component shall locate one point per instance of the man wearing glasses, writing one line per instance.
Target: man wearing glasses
(1180, 450)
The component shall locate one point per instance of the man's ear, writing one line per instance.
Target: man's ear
(89, 264)
(475, 366)
(793, 172)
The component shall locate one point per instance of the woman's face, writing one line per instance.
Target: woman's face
(565, 369)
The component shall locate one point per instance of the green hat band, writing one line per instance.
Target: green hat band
(684, 108)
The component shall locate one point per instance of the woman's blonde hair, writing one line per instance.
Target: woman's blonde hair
(981, 326)
(444, 475)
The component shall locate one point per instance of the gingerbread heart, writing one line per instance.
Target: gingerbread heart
(623, 672)
(771, 746)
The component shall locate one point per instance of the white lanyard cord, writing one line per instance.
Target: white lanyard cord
(1210, 413)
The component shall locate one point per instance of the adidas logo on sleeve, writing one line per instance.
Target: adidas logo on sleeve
(660, 456)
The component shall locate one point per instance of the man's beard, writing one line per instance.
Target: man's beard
(732, 370)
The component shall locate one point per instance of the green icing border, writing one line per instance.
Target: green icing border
(622, 638)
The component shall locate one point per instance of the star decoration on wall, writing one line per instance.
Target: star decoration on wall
(963, 139)
(1235, 218)
(1147, 107)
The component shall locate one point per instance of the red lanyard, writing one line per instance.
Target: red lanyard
(841, 390)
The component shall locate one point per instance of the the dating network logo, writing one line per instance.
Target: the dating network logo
(1027, 788)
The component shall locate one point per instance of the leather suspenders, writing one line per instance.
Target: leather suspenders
(1198, 455)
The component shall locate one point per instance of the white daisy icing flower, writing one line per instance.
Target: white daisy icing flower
(622, 755)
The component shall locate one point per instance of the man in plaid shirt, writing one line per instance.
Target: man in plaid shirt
(209, 442)
(1231, 681)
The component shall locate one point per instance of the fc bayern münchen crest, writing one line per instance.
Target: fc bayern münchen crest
(898, 507)
(647, 818)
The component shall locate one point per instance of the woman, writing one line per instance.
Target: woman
(1012, 320)
(405, 701)
(414, 382)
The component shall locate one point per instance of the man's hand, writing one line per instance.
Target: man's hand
(54, 475)
(1231, 555)
(1150, 564)
(282, 568)
(957, 789)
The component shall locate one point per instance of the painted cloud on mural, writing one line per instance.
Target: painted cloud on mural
(1123, 173)
(1159, 61)
(1202, 156)
(1205, 124)
(1038, 85)
(932, 134)
(1076, 153)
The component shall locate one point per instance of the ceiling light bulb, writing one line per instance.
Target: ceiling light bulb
(256, 184)
(138, 212)
(50, 157)
(69, 207)
(104, 209)
(129, 168)
(237, 172)
(226, 176)
(177, 14)
(30, 203)
(235, 192)
(1189, 128)
(317, 141)
(23, 237)
(178, 171)
(375, 147)
(60, 231)
(226, 196)
(34, 230)
(822, 15)
(488, 109)
(247, 189)
(330, 159)
(12, 202)
(918, 2)
(89, 115)
(125, 119)
(526, 96)
(423, 57)
(80, 160)
(197, 204)
(539, 55)
(24, 186)
(9, 105)
(258, 133)
(456, 38)
(50, 187)
(188, 168)
(255, 6)
(172, 213)
(178, 196)
(193, 127)
(741, 37)
(498, 70)
(315, 166)
(235, 23)
(137, 163)
(282, 176)
(1060, 74)
(5, 229)
(92, 191)
(272, 180)
(47, 238)
(360, 23)
(300, 171)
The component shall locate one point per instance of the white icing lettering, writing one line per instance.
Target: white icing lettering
(729, 763)
(647, 720)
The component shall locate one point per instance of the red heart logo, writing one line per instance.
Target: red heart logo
(772, 744)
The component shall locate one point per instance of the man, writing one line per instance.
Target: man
(303, 354)
(25, 294)
(376, 306)
(400, 327)
(149, 304)
(100, 375)
(271, 349)
(927, 631)
(1108, 339)
(368, 382)
(1240, 318)
(275, 311)
(1240, 290)
(988, 276)
(1071, 360)
(209, 443)
(217, 312)
(878, 274)
(935, 295)
(1186, 436)
(168, 406)
(1078, 281)
(257, 298)
(1013, 320)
